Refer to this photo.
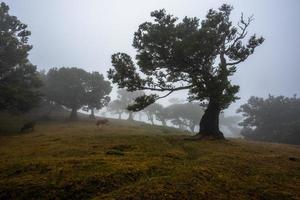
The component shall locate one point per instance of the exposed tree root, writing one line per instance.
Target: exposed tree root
(206, 136)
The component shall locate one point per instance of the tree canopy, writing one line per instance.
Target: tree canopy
(274, 119)
(19, 80)
(116, 107)
(97, 92)
(155, 111)
(185, 115)
(127, 99)
(187, 55)
(75, 88)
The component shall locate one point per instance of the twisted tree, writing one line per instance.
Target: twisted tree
(187, 55)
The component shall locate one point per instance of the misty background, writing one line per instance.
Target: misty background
(85, 33)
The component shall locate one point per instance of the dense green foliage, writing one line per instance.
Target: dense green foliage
(19, 80)
(97, 92)
(75, 88)
(192, 55)
(274, 119)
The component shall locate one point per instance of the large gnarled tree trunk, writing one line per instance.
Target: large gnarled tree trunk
(209, 124)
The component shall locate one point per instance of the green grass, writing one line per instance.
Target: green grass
(137, 161)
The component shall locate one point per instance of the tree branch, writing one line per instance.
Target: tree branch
(235, 63)
(243, 27)
(167, 89)
(161, 97)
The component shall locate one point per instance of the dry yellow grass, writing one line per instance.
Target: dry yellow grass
(136, 161)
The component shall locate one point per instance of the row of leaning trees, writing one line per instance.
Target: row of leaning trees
(171, 56)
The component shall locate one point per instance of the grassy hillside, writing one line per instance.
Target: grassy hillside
(137, 161)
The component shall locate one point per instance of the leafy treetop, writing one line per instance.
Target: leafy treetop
(193, 55)
(19, 80)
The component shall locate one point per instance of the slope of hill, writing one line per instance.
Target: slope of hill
(137, 161)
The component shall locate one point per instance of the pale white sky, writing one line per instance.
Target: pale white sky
(85, 33)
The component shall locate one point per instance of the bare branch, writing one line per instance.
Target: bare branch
(235, 63)
(161, 97)
(243, 25)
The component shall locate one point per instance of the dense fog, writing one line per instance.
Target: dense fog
(80, 39)
(75, 33)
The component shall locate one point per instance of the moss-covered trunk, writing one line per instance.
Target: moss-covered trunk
(209, 124)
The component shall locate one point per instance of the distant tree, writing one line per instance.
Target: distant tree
(116, 107)
(19, 80)
(75, 88)
(188, 55)
(46, 105)
(97, 92)
(153, 111)
(232, 123)
(141, 114)
(275, 119)
(161, 114)
(192, 113)
(185, 115)
(67, 87)
(176, 100)
(175, 115)
(127, 98)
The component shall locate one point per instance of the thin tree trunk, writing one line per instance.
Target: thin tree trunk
(164, 122)
(92, 115)
(120, 115)
(209, 124)
(152, 121)
(73, 115)
(180, 126)
(130, 117)
(150, 118)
